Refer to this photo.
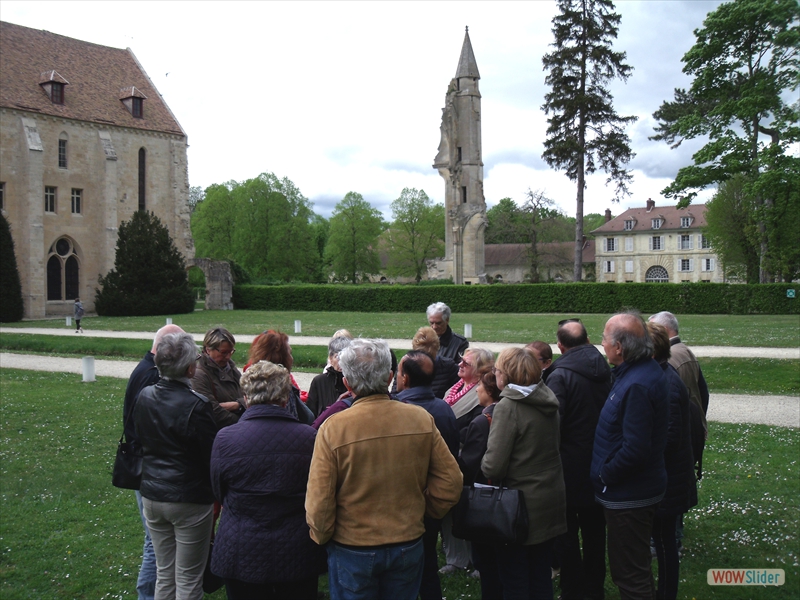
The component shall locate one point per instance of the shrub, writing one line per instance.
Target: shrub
(10, 288)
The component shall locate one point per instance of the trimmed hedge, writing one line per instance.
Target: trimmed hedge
(602, 298)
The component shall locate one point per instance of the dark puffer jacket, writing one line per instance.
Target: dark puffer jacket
(681, 491)
(176, 428)
(628, 458)
(581, 380)
(324, 390)
(259, 472)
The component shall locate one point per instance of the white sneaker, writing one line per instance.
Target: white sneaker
(475, 574)
(448, 570)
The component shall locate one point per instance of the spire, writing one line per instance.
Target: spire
(467, 67)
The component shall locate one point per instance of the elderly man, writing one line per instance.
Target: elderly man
(627, 469)
(451, 345)
(581, 380)
(378, 468)
(145, 374)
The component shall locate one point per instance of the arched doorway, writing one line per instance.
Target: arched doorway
(656, 274)
(63, 271)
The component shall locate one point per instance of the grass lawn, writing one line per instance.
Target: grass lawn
(67, 533)
(780, 331)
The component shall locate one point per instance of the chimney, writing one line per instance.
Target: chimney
(650, 204)
(608, 215)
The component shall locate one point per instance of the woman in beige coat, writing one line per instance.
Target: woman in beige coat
(522, 453)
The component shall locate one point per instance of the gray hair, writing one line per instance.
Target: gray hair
(366, 365)
(216, 337)
(175, 354)
(666, 319)
(631, 333)
(439, 308)
(266, 383)
(337, 344)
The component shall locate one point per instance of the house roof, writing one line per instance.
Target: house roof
(643, 219)
(95, 73)
(552, 253)
(467, 66)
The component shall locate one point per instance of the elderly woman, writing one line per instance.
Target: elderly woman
(217, 377)
(176, 429)
(681, 492)
(326, 388)
(259, 471)
(523, 453)
(274, 346)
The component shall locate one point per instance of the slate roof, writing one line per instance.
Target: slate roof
(467, 66)
(552, 253)
(643, 217)
(96, 76)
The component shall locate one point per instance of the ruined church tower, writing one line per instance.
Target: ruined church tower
(460, 163)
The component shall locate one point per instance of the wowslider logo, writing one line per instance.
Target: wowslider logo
(746, 577)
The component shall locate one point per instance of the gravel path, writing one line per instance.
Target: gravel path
(783, 411)
(401, 344)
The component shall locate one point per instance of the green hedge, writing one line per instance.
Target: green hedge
(685, 298)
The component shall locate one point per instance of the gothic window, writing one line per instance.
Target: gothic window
(142, 159)
(62, 154)
(49, 199)
(63, 271)
(657, 274)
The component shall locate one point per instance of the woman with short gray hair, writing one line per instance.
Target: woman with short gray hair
(259, 470)
(176, 429)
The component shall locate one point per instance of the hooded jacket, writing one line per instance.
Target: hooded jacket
(581, 380)
(522, 452)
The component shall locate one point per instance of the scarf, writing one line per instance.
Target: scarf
(455, 393)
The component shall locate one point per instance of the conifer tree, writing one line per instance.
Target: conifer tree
(10, 288)
(584, 131)
(149, 275)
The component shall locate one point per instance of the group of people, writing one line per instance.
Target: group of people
(358, 476)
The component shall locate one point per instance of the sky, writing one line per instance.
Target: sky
(347, 96)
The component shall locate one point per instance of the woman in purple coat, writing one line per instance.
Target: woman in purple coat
(259, 471)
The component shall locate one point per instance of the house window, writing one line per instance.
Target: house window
(629, 266)
(686, 265)
(611, 244)
(657, 274)
(63, 271)
(629, 225)
(656, 223)
(142, 159)
(49, 199)
(707, 264)
(608, 266)
(137, 107)
(686, 222)
(629, 244)
(62, 154)
(705, 242)
(655, 243)
(685, 242)
(77, 201)
(57, 92)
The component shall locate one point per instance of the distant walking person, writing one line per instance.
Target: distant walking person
(79, 312)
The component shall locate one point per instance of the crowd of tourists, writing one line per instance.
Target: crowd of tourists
(252, 483)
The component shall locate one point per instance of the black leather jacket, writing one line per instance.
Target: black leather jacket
(452, 345)
(176, 428)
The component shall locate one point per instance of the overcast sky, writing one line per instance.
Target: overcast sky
(341, 96)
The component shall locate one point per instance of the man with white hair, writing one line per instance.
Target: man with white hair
(451, 345)
(378, 468)
(145, 374)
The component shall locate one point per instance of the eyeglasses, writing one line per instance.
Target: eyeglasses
(220, 352)
(565, 321)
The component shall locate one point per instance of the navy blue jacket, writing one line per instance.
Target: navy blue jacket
(259, 472)
(145, 374)
(628, 457)
(442, 414)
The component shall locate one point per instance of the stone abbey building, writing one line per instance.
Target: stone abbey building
(85, 140)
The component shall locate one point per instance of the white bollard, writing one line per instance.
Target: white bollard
(169, 320)
(88, 369)
(69, 321)
(467, 330)
(298, 327)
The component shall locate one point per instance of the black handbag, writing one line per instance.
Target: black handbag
(491, 515)
(127, 472)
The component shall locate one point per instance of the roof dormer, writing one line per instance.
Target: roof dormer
(53, 85)
(133, 99)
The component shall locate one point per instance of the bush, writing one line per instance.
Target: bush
(149, 274)
(602, 298)
(10, 288)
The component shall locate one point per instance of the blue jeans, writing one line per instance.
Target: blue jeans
(371, 573)
(146, 583)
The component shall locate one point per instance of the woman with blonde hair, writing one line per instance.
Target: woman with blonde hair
(446, 371)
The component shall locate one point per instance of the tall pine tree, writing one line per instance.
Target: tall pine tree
(149, 275)
(10, 288)
(584, 131)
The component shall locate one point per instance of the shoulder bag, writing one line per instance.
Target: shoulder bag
(491, 515)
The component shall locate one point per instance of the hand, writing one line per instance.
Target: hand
(231, 406)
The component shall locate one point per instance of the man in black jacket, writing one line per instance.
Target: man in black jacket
(451, 345)
(581, 380)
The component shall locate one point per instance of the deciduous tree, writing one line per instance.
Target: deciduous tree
(584, 131)
(415, 235)
(352, 249)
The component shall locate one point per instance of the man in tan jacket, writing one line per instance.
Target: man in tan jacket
(378, 468)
